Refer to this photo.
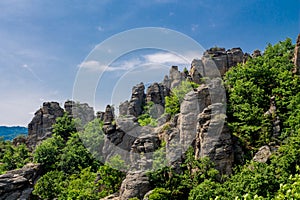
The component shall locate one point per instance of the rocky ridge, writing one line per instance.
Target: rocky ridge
(18, 184)
(200, 124)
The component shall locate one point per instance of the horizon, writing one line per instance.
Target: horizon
(44, 42)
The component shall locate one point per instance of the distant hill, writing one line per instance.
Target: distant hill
(10, 133)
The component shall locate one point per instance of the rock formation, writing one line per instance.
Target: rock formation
(271, 113)
(256, 53)
(174, 79)
(136, 184)
(297, 56)
(80, 110)
(40, 126)
(18, 184)
(215, 62)
(263, 154)
(214, 139)
(135, 105)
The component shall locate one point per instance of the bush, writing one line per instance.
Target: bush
(160, 194)
(147, 117)
(14, 157)
(172, 105)
(50, 185)
(48, 152)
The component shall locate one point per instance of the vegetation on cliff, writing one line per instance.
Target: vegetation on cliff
(72, 172)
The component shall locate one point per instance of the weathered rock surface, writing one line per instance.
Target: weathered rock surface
(135, 105)
(80, 110)
(220, 58)
(214, 139)
(136, 184)
(256, 53)
(123, 108)
(142, 149)
(271, 113)
(263, 154)
(297, 56)
(197, 71)
(156, 93)
(18, 184)
(194, 102)
(174, 79)
(40, 126)
(120, 137)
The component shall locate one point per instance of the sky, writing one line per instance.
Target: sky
(44, 43)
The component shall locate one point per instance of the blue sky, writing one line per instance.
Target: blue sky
(43, 42)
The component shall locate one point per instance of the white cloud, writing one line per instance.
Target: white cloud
(122, 65)
(169, 58)
(166, 59)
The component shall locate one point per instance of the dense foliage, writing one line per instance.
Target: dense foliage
(250, 87)
(12, 157)
(173, 101)
(72, 172)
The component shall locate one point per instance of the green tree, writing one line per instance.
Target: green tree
(160, 194)
(147, 118)
(93, 138)
(50, 185)
(81, 186)
(74, 156)
(64, 126)
(250, 87)
(14, 157)
(48, 152)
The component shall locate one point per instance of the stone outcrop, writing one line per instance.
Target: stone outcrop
(256, 53)
(197, 71)
(215, 62)
(136, 184)
(263, 154)
(142, 149)
(135, 105)
(297, 56)
(18, 184)
(271, 113)
(156, 93)
(40, 126)
(214, 139)
(174, 79)
(120, 137)
(80, 110)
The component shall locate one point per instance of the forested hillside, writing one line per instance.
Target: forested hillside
(263, 119)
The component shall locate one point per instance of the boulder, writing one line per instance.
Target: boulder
(136, 184)
(18, 184)
(263, 154)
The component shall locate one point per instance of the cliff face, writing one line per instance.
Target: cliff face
(18, 184)
(200, 124)
(40, 126)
